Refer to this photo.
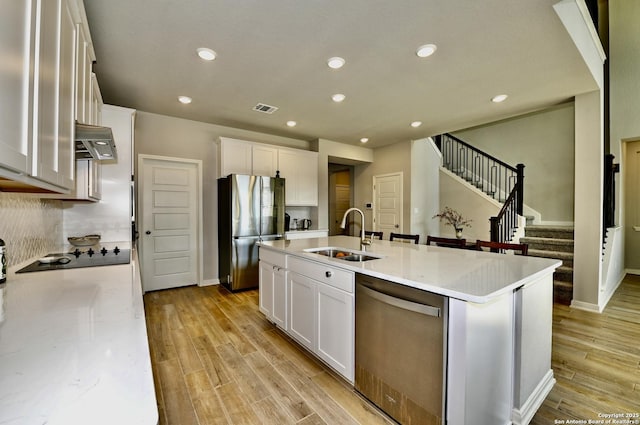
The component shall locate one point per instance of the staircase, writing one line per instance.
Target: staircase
(554, 242)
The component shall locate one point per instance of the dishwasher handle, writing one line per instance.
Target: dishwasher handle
(427, 310)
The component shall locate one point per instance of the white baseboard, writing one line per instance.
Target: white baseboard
(209, 282)
(524, 414)
(581, 305)
(607, 296)
(632, 271)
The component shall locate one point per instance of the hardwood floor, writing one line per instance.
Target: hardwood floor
(596, 361)
(217, 360)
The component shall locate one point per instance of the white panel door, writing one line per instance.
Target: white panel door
(387, 195)
(169, 211)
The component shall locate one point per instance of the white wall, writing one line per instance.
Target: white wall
(425, 188)
(624, 98)
(544, 143)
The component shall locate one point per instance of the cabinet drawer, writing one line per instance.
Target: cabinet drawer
(273, 257)
(323, 273)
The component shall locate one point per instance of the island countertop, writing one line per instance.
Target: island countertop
(74, 350)
(468, 275)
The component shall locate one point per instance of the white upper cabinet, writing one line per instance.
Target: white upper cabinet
(300, 170)
(234, 157)
(84, 77)
(54, 106)
(241, 157)
(37, 109)
(17, 26)
(264, 160)
(95, 110)
(49, 44)
(297, 166)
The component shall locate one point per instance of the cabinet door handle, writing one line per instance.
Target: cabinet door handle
(328, 273)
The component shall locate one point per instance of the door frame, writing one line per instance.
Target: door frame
(400, 174)
(139, 211)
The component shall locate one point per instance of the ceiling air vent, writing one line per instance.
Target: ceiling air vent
(267, 109)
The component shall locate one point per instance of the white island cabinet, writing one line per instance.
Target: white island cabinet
(498, 319)
(321, 306)
(273, 292)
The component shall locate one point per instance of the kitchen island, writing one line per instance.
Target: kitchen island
(498, 316)
(74, 350)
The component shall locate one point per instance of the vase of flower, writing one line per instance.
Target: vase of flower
(454, 219)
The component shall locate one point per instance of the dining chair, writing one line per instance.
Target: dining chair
(414, 238)
(373, 234)
(517, 248)
(446, 242)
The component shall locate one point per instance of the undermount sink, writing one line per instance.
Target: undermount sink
(343, 254)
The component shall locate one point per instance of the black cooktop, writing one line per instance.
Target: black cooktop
(80, 258)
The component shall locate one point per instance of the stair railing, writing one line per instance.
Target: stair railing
(494, 177)
(609, 199)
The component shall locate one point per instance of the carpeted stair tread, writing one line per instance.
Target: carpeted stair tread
(560, 255)
(549, 244)
(554, 232)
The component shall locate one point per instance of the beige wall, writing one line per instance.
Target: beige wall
(180, 138)
(624, 97)
(544, 143)
(388, 159)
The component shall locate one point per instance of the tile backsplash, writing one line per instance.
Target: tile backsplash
(29, 226)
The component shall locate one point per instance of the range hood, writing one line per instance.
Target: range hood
(95, 142)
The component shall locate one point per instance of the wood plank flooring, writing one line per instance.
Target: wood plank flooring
(217, 360)
(596, 361)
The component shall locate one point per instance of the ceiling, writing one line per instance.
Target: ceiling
(275, 52)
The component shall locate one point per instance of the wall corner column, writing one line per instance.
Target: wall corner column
(589, 157)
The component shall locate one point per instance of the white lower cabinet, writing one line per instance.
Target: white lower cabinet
(321, 312)
(302, 309)
(273, 287)
(314, 303)
(335, 329)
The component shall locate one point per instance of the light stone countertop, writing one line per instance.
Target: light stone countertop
(74, 349)
(467, 275)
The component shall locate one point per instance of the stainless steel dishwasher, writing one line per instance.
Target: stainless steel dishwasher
(401, 342)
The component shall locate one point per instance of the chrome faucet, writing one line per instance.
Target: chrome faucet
(363, 241)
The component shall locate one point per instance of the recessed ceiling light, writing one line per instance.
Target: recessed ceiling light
(338, 97)
(101, 143)
(206, 54)
(499, 98)
(291, 123)
(364, 140)
(426, 50)
(184, 99)
(416, 124)
(335, 62)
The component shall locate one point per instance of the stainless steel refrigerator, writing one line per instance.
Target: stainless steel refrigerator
(250, 209)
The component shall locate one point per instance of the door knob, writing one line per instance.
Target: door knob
(397, 225)
(148, 232)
